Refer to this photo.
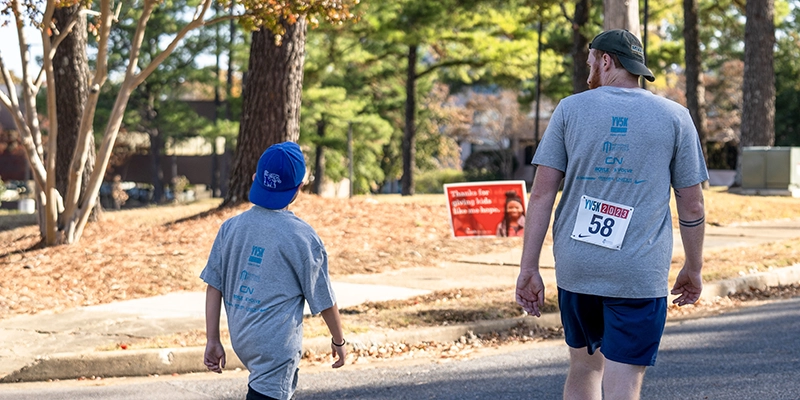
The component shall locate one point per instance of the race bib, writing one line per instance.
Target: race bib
(602, 222)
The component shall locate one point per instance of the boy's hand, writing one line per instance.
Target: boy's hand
(214, 357)
(340, 352)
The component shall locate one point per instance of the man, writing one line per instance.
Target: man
(265, 264)
(618, 149)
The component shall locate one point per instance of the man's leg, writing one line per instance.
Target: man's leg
(622, 381)
(585, 375)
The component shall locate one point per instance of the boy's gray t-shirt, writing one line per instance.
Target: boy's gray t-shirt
(621, 149)
(267, 263)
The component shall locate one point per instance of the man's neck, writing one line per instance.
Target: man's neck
(622, 79)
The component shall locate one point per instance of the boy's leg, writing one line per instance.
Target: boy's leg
(622, 381)
(253, 395)
(585, 375)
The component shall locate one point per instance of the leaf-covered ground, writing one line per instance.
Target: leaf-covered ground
(145, 252)
(150, 251)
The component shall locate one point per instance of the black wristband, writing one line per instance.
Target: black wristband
(344, 342)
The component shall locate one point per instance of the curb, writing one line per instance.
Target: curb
(118, 363)
(779, 277)
(169, 361)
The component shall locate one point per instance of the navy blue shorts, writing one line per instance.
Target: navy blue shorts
(253, 395)
(627, 331)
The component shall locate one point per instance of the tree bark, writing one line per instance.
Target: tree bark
(695, 89)
(758, 88)
(319, 159)
(71, 69)
(156, 165)
(409, 134)
(580, 47)
(621, 14)
(271, 103)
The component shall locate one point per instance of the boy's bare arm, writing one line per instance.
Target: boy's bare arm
(334, 322)
(215, 354)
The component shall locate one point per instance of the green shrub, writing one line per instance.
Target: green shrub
(489, 165)
(432, 181)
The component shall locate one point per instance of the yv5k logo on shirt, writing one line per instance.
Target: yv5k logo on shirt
(619, 126)
(256, 256)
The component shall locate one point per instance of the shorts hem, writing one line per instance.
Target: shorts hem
(629, 361)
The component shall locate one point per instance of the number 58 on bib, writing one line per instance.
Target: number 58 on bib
(602, 222)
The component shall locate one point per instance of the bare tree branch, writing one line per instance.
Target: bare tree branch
(82, 143)
(195, 23)
(60, 38)
(451, 63)
(566, 14)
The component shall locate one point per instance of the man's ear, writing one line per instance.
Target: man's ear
(254, 176)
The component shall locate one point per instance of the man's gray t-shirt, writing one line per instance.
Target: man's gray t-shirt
(621, 150)
(267, 263)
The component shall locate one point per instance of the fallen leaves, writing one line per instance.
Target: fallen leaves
(158, 250)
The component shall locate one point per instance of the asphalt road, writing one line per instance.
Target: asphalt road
(752, 353)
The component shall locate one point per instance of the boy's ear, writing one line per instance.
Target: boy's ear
(254, 176)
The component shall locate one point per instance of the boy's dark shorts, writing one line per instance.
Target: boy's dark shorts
(254, 395)
(627, 331)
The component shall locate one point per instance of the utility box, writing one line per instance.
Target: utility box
(771, 170)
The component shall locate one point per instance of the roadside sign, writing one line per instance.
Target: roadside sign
(479, 209)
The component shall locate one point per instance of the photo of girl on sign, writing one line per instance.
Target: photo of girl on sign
(513, 223)
(486, 209)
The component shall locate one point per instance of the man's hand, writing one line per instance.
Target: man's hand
(688, 287)
(530, 292)
(339, 353)
(214, 358)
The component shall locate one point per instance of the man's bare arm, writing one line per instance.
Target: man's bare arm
(691, 217)
(530, 288)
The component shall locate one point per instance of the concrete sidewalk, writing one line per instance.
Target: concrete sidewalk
(65, 345)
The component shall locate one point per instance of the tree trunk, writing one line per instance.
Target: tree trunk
(72, 82)
(409, 136)
(758, 88)
(271, 103)
(580, 47)
(621, 14)
(319, 159)
(695, 89)
(156, 146)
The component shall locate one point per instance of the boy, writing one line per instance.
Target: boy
(265, 263)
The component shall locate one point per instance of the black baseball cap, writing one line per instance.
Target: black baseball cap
(627, 47)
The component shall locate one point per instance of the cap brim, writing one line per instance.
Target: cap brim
(636, 68)
(269, 199)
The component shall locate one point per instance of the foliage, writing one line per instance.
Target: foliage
(787, 82)
(154, 107)
(433, 181)
(487, 165)
(277, 14)
(63, 216)
(334, 98)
